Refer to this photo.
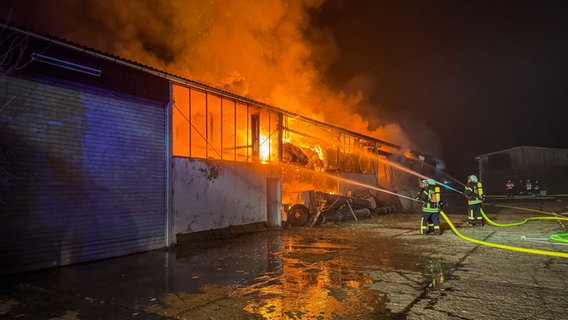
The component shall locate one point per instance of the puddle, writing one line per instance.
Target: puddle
(438, 272)
(304, 274)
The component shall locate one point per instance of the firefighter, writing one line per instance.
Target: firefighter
(528, 187)
(510, 188)
(429, 197)
(521, 187)
(536, 188)
(475, 196)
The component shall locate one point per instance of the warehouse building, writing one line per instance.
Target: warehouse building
(548, 166)
(102, 157)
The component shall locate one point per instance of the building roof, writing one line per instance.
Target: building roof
(516, 148)
(174, 78)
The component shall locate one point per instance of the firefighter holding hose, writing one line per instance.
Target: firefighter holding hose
(429, 197)
(475, 196)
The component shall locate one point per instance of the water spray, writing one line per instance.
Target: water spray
(378, 189)
(445, 174)
(448, 187)
(419, 175)
(357, 183)
(412, 172)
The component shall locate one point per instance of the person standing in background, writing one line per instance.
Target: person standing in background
(528, 187)
(536, 188)
(510, 186)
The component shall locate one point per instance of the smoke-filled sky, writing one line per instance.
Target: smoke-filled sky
(453, 79)
(483, 75)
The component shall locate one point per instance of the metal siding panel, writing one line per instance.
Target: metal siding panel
(83, 174)
(547, 165)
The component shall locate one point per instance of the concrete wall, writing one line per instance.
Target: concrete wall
(210, 194)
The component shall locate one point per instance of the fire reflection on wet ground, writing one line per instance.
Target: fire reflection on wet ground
(381, 268)
(301, 273)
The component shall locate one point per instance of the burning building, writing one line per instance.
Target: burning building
(102, 156)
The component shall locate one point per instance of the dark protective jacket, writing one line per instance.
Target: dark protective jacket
(474, 192)
(430, 198)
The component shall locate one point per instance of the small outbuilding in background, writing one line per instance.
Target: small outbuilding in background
(549, 166)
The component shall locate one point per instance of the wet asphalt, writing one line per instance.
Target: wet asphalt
(377, 268)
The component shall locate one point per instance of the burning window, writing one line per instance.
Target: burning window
(323, 148)
(209, 126)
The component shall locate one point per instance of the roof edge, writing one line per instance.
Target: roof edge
(514, 148)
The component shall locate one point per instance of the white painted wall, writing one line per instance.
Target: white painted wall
(216, 194)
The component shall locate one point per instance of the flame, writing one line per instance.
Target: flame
(264, 149)
(256, 49)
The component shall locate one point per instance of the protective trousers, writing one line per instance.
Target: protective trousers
(434, 218)
(474, 215)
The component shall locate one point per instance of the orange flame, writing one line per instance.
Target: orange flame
(257, 49)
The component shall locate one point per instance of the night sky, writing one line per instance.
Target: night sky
(482, 75)
(462, 78)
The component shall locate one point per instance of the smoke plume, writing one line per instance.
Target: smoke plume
(257, 49)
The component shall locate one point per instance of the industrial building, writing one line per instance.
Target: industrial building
(548, 166)
(102, 157)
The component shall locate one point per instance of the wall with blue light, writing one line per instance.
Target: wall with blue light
(82, 173)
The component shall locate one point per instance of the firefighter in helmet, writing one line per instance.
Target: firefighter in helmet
(475, 196)
(429, 197)
(510, 186)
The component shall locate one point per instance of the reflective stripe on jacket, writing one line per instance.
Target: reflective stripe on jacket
(430, 197)
(474, 193)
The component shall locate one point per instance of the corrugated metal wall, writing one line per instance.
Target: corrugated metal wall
(549, 166)
(82, 174)
(534, 157)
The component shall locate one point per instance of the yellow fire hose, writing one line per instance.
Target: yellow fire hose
(520, 222)
(526, 209)
(513, 248)
(559, 237)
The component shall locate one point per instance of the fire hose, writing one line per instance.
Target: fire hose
(559, 237)
(503, 246)
(562, 237)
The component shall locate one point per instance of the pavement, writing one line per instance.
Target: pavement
(377, 268)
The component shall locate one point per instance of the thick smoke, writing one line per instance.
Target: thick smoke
(257, 49)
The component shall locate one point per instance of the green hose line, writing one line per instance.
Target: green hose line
(491, 222)
(525, 209)
(502, 246)
(560, 237)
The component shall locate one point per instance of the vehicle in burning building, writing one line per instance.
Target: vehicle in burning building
(319, 207)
